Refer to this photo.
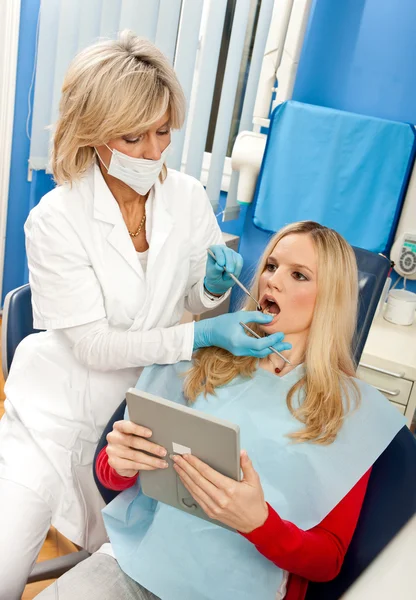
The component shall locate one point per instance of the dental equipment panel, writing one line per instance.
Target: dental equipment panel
(403, 253)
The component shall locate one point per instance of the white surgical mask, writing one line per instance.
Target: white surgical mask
(138, 173)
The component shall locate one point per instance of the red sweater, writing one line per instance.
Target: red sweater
(313, 555)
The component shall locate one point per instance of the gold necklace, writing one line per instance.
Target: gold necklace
(133, 235)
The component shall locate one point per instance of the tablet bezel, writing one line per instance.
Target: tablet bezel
(174, 425)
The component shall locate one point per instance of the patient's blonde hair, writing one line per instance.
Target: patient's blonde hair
(112, 88)
(329, 365)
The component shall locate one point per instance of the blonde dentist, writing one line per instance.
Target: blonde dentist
(115, 252)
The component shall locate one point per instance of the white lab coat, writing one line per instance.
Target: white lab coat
(83, 267)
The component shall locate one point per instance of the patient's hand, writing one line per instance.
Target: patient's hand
(240, 505)
(128, 447)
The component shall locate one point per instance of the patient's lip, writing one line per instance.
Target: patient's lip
(267, 298)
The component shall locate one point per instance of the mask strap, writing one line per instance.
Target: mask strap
(101, 160)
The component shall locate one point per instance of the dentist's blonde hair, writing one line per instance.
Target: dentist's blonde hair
(112, 88)
(327, 385)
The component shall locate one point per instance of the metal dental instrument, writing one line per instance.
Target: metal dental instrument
(237, 281)
(247, 328)
(244, 326)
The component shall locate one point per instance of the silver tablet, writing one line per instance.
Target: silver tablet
(183, 430)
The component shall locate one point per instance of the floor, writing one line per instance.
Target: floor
(55, 544)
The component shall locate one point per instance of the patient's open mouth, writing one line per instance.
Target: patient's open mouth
(270, 306)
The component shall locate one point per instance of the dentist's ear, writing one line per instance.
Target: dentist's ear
(246, 158)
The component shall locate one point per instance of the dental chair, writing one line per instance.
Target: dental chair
(390, 500)
(17, 323)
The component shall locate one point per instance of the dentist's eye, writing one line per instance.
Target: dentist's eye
(299, 276)
(133, 139)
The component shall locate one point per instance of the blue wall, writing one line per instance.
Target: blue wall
(22, 194)
(358, 56)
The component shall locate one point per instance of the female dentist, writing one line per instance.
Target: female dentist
(115, 252)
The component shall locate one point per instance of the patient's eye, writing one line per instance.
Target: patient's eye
(271, 267)
(299, 276)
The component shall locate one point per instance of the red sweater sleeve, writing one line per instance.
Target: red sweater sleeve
(316, 554)
(109, 477)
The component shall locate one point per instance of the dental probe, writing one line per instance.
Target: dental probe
(237, 281)
(247, 328)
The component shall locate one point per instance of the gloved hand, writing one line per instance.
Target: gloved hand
(226, 332)
(217, 281)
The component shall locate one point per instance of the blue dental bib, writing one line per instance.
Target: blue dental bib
(180, 557)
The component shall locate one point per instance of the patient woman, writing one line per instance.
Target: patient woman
(310, 433)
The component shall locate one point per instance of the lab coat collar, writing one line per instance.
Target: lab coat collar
(106, 209)
(105, 205)
(161, 223)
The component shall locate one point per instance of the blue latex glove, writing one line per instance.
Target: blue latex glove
(217, 281)
(226, 332)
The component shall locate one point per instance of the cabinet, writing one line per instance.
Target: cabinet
(388, 363)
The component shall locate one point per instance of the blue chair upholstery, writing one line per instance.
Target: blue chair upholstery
(17, 323)
(337, 168)
(372, 273)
